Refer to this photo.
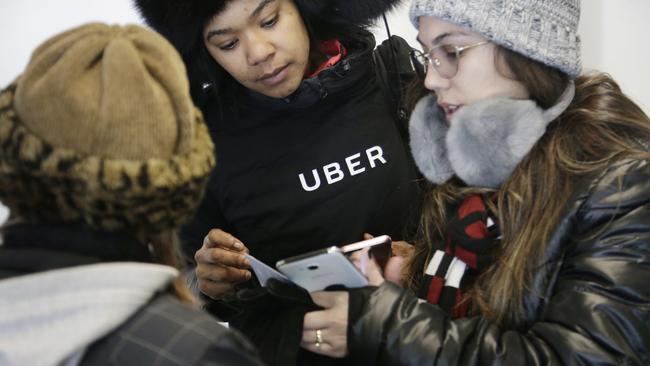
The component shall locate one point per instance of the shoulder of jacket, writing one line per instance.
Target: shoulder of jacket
(619, 188)
(195, 320)
(601, 197)
(621, 176)
(164, 331)
(402, 53)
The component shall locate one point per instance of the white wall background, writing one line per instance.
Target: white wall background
(613, 35)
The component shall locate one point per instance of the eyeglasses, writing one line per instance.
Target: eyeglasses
(444, 59)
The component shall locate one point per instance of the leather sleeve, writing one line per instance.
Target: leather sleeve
(596, 310)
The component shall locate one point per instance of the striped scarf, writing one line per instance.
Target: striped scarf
(470, 241)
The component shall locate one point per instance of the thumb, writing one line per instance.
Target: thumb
(373, 273)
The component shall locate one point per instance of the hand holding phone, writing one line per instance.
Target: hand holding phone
(367, 262)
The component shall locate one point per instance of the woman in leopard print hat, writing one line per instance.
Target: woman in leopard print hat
(102, 157)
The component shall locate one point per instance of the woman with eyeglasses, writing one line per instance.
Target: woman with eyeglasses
(534, 244)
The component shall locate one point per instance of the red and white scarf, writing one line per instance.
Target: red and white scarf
(470, 241)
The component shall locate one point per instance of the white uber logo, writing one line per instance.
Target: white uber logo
(334, 173)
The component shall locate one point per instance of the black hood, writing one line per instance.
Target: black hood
(181, 22)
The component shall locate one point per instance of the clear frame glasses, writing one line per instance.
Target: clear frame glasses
(444, 58)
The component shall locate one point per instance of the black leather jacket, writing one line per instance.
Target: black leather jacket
(590, 304)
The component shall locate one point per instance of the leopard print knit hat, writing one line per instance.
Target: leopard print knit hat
(100, 129)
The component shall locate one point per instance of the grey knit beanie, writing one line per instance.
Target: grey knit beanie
(544, 30)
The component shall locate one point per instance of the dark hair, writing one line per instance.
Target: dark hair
(544, 84)
(166, 248)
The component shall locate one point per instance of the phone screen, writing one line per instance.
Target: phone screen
(380, 248)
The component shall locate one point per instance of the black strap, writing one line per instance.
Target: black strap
(391, 81)
(390, 71)
(394, 57)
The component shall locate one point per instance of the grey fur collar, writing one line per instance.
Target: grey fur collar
(484, 142)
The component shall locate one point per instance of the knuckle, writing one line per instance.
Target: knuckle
(204, 287)
(222, 235)
(198, 255)
(213, 232)
(216, 255)
(214, 235)
(232, 273)
(200, 271)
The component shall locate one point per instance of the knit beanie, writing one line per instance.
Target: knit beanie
(100, 129)
(543, 30)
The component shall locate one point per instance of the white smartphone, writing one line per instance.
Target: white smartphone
(383, 239)
(315, 271)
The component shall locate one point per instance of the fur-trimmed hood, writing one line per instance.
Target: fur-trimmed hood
(181, 21)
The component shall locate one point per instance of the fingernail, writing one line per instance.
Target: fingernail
(238, 245)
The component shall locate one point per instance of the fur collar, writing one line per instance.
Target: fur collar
(484, 142)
